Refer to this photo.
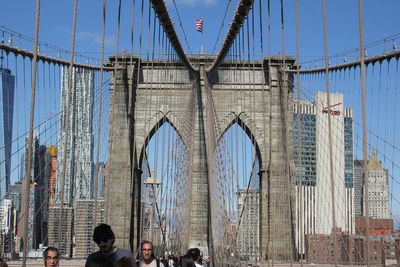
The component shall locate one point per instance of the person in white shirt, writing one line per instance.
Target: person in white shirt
(148, 259)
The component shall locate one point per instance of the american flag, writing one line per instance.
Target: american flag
(199, 25)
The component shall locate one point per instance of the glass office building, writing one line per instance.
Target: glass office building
(7, 86)
(314, 197)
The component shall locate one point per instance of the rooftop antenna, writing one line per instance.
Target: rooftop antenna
(2, 42)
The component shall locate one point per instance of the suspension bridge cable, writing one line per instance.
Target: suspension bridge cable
(222, 25)
(132, 105)
(180, 23)
(27, 180)
(333, 206)
(99, 119)
(361, 30)
(60, 218)
(113, 103)
(299, 153)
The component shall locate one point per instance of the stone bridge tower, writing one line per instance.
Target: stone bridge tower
(266, 124)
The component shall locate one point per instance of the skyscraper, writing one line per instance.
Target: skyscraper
(358, 188)
(43, 182)
(7, 82)
(79, 171)
(378, 189)
(34, 178)
(84, 225)
(248, 234)
(14, 193)
(78, 184)
(53, 150)
(315, 166)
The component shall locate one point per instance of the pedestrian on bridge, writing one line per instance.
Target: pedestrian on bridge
(148, 259)
(125, 262)
(98, 262)
(104, 237)
(195, 253)
(51, 257)
(187, 261)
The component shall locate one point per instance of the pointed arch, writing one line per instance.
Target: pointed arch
(249, 133)
(164, 119)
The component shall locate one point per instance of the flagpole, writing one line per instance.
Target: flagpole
(202, 35)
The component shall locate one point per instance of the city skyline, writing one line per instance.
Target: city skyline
(185, 138)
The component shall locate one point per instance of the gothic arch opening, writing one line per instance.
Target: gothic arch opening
(164, 162)
(235, 190)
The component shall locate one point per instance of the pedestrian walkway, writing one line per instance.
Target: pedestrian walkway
(39, 262)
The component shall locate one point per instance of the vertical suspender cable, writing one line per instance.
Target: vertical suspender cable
(60, 214)
(394, 129)
(140, 212)
(262, 173)
(286, 120)
(26, 185)
(270, 128)
(113, 102)
(99, 120)
(333, 206)
(299, 159)
(360, 14)
(132, 113)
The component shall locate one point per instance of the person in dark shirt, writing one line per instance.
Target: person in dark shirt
(104, 237)
(98, 262)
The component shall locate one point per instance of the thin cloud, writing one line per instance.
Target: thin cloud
(109, 41)
(95, 37)
(197, 2)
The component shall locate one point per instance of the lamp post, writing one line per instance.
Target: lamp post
(152, 181)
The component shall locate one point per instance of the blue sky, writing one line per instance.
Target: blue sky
(380, 21)
(342, 22)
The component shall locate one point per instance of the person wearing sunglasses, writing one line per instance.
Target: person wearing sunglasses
(104, 237)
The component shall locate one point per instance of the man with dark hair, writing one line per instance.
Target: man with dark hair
(195, 253)
(148, 259)
(104, 237)
(51, 256)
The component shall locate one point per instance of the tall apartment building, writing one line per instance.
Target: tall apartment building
(316, 191)
(7, 82)
(65, 247)
(78, 184)
(248, 230)
(79, 171)
(84, 225)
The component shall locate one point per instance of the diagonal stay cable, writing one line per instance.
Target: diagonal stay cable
(165, 20)
(222, 26)
(237, 23)
(180, 24)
